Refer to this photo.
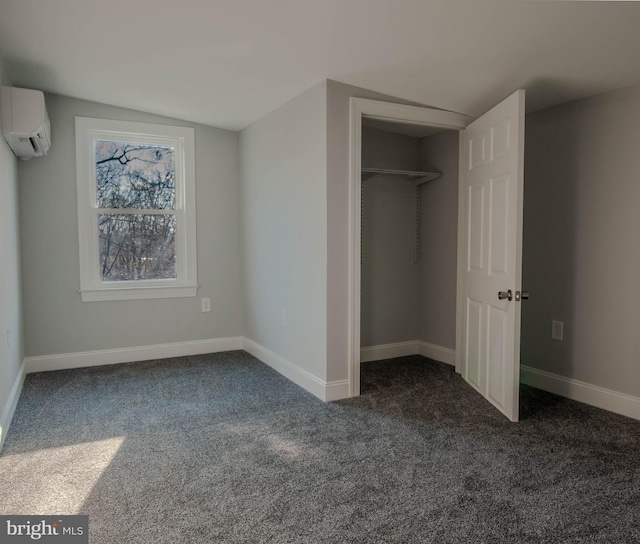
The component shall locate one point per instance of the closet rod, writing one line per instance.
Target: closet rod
(419, 176)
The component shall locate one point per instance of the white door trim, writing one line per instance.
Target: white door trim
(398, 113)
(462, 238)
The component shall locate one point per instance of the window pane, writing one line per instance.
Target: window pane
(135, 176)
(137, 247)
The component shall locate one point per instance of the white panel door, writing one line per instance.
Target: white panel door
(491, 197)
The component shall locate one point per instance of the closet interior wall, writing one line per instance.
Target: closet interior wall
(401, 300)
(439, 240)
(389, 278)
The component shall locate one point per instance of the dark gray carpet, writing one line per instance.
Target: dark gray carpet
(220, 448)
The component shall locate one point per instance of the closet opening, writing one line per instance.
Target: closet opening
(488, 252)
(408, 240)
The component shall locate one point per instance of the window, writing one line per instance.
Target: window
(136, 210)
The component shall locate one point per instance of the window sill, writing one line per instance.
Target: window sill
(138, 293)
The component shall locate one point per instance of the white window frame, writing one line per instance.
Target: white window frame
(182, 139)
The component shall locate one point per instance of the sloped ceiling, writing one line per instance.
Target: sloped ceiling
(227, 63)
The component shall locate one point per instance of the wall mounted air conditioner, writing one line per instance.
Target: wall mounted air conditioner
(25, 123)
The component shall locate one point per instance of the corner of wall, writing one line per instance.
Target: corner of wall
(11, 313)
(9, 407)
(284, 222)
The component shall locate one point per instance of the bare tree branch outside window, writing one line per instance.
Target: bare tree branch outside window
(135, 191)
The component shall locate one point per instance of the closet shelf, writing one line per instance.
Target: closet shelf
(420, 177)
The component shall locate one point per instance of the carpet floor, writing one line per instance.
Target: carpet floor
(222, 449)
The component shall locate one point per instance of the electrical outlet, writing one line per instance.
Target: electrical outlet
(557, 330)
(206, 304)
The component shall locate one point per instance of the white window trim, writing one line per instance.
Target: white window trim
(92, 288)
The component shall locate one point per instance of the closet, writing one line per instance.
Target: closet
(409, 235)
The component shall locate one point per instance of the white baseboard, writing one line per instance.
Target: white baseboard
(326, 391)
(10, 406)
(437, 353)
(128, 355)
(293, 372)
(402, 349)
(388, 351)
(607, 399)
(593, 395)
(336, 390)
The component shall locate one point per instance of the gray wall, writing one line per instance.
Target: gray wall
(438, 240)
(56, 320)
(401, 300)
(284, 197)
(581, 253)
(338, 96)
(390, 277)
(11, 348)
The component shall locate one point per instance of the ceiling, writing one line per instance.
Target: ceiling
(412, 130)
(227, 63)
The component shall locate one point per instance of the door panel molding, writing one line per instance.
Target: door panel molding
(491, 158)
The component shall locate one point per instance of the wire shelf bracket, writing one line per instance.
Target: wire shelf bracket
(419, 177)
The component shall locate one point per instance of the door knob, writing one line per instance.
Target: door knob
(508, 295)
